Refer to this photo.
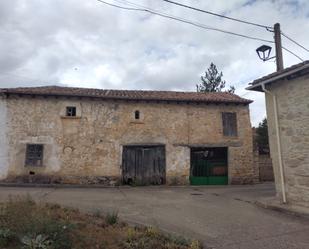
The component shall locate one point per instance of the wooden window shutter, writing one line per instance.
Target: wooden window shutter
(229, 121)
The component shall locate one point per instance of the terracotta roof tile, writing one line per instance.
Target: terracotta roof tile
(213, 97)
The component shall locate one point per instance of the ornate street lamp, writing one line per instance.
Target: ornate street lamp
(264, 52)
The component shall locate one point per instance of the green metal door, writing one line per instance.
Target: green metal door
(209, 166)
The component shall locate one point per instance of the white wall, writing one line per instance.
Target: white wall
(3, 139)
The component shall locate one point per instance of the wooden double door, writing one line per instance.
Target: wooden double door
(143, 165)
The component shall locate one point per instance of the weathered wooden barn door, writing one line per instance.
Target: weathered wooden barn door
(143, 165)
(209, 166)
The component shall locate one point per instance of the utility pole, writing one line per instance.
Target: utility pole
(279, 58)
(264, 50)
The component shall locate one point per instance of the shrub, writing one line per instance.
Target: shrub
(35, 223)
(6, 236)
(152, 238)
(131, 234)
(111, 218)
(195, 244)
(179, 240)
(59, 233)
(37, 242)
(152, 232)
(97, 213)
(27, 225)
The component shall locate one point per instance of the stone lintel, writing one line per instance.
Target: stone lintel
(223, 144)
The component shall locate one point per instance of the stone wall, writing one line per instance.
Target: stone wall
(265, 168)
(90, 144)
(262, 161)
(3, 139)
(293, 112)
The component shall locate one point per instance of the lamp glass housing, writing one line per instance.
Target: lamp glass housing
(263, 52)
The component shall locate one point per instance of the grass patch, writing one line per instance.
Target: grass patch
(29, 225)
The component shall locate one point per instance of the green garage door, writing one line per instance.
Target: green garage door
(209, 166)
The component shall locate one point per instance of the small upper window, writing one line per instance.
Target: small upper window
(71, 111)
(34, 155)
(137, 115)
(229, 122)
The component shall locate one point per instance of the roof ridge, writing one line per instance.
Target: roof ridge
(117, 90)
(156, 95)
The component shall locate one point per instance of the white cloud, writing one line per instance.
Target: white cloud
(88, 44)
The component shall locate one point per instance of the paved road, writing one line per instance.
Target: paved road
(222, 217)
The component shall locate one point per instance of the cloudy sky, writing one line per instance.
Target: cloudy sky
(86, 43)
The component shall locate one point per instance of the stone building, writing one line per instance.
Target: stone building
(261, 156)
(287, 105)
(78, 135)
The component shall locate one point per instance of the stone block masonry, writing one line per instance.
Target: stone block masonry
(265, 168)
(87, 148)
(3, 139)
(293, 112)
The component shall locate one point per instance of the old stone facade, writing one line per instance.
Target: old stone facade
(262, 158)
(289, 92)
(87, 147)
(293, 114)
(265, 168)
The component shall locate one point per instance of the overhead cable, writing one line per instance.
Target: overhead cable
(196, 24)
(293, 53)
(186, 21)
(218, 15)
(294, 41)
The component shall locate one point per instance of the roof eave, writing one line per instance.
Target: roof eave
(258, 87)
(241, 102)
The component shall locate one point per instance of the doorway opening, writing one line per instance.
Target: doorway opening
(143, 165)
(209, 166)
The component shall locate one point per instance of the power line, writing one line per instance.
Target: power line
(293, 53)
(218, 15)
(243, 95)
(186, 21)
(270, 29)
(294, 41)
(199, 25)
(120, 7)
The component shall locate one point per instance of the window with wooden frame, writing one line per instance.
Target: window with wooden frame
(70, 111)
(34, 155)
(229, 123)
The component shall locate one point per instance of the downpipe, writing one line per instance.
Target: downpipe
(278, 143)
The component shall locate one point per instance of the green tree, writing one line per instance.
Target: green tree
(262, 137)
(212, 81)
